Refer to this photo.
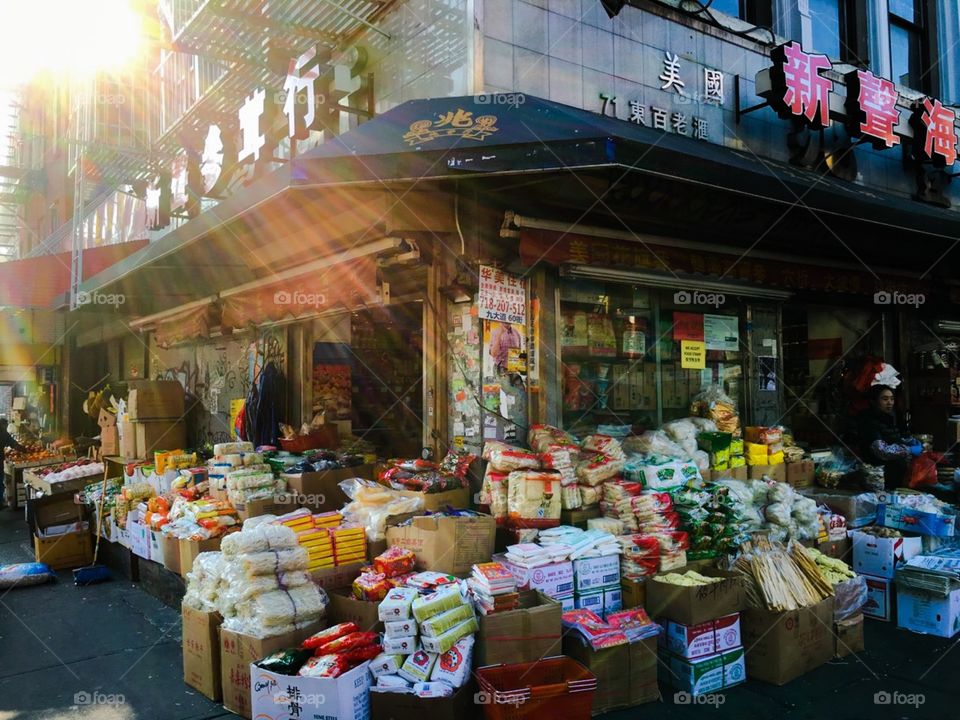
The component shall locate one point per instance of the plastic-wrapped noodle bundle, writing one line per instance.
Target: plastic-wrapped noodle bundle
(243, 480)
(261, 538)
(238, 588)
(204, 582)
(273, 561)
(255, 628)
(570, 497)
(241, 497)
(285, 607)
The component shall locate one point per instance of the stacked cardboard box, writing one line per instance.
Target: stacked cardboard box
(154, 420)
(596, 584)
(877, 558)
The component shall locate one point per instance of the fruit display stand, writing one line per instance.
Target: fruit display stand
(37, 484)
(15, 492)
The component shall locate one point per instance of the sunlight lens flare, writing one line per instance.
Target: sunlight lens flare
(61, 37)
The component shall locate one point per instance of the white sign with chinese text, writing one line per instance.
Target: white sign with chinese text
(503, 297)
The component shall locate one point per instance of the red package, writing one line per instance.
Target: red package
(371, 586)
(361, 654)
(395, 561)
(328, 666)
(400, 580)
(347, 642)
(329, 635)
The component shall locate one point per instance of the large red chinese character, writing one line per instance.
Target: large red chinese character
(799, 90)
(872, 108)
(936, 134)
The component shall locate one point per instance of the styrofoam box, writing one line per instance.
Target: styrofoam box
(272, 696)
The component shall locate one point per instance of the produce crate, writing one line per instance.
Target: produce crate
(552, 687)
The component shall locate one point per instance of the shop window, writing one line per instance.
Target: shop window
(907, 43)
(621, 351)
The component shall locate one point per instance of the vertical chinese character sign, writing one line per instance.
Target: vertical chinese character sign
(798, 88)
(502, 296)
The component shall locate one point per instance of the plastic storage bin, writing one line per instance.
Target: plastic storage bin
(553, 687)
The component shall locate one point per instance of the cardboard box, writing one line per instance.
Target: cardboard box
(567, 603)
(189, 549)
(155, 400)
(859, 508)
(774, 472)
(702, 640)
(848, 636)
(879, 556)
(695, 605)
(707, 674)
(527, 634)
(139, 539)
(201, 651)
(342, 698)
(106, 419)
(907, 519)
(19, 403)
(64, 551)
(579, 518)
(633, 593)
(171, 553)
(840, 549)
(450, 545)
(784, 646)
(237, 651)
(555, 579)
(612, 601)
(880, 596)
(320, 491)
(159, 435)
(927, 613)
(437, 501)
(341, 576)
(800, 474)
(109, 441)
(344, 607)
(156, 546)
(626, 674)
(591, 574)
(590, 601)
(276, 505)
(396, 706)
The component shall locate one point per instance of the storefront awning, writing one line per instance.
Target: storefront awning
(44, 281)
(465, 136)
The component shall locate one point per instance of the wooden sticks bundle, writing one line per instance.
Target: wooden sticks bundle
(778, 579)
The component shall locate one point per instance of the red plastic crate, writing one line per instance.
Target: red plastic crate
(552, 687)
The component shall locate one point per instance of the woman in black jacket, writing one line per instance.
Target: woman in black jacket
(881, 439)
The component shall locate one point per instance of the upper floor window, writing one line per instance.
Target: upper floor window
(838, 29)
(757, 12)
(908, 43)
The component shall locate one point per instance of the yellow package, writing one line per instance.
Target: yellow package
(775, 459)
(737, 461)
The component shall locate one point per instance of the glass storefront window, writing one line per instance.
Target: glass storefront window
(620, 348)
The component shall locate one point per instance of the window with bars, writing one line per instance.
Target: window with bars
(909, 47)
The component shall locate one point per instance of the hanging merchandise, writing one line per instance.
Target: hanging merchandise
(263, 409)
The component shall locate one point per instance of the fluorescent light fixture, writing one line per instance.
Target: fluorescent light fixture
(952, 326)
(672, 282)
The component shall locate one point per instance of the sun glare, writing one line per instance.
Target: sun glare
(76, 38)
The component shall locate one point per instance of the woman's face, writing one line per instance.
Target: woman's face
(884, 402)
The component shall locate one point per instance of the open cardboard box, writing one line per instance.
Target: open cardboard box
(697, 604)
(450, 545)
(66, 550)
(320, 491)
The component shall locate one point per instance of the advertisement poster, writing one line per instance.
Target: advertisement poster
(687, 326)
(331, 380)
(693, 355)
(722, 332)
(503, 297)
(767, 373)
(504, 379)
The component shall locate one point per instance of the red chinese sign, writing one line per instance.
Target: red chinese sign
(503, 297)
(935, 132)
(561, 248)
(799, 90)
(872, 108)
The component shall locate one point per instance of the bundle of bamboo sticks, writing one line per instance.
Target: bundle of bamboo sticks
(779, 579)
